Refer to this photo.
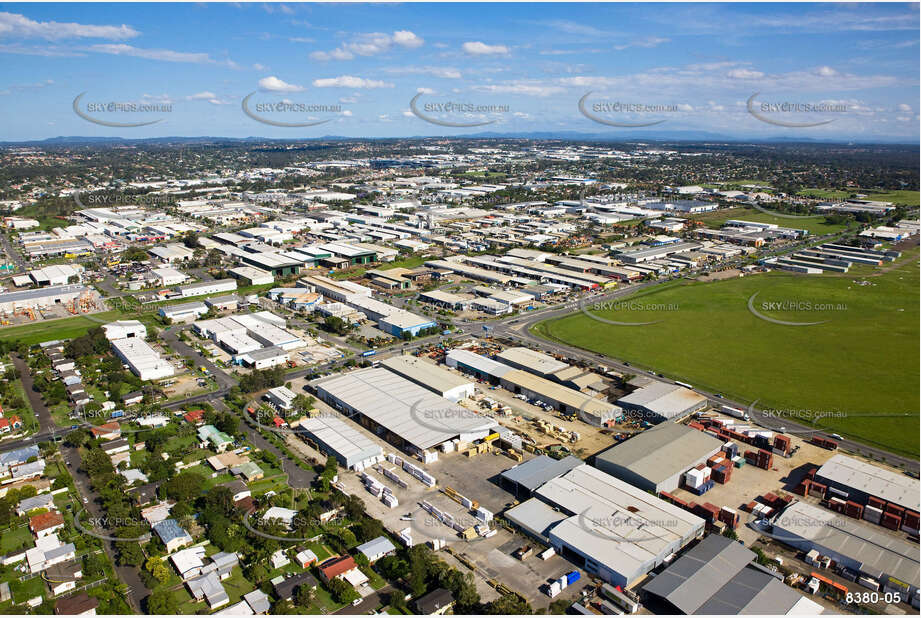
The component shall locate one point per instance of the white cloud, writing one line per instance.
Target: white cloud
(442, 72)
(529, 89)
(745, 74)
(19, 26)
(259, 67)
(273, 84)
(370, 44)
(407, 39)
(350, 81)
(346, 112)
(201, 96)
(166, 55)
(825, 71)
(904, 107)
(479, 48)
(646, 43)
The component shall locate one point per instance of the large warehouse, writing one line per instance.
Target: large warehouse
(530, 360)
(405, 413)
(654, 460)
(719, 577)
(145, 362)
(869, 550)
(525, 478)
(613, 529)
(429, 375)
(335, 436)
(569, 401)
(660, 401)
(858, 480)
(44, 297)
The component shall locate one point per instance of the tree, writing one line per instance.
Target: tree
(162, 602)
(184, 486)
(158, 569)
(305, 595)
(508, 604)
(335, 324)
(342, 591)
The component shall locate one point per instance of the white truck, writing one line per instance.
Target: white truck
(736, 412)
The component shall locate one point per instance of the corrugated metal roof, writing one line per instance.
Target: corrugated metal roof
(660, 452)
(873, 480)
(534, 361)
(875, 549)
(342, 437)
(535, 472)
(415, 414)
(425, 373)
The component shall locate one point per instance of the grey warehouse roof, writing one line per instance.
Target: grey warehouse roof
(716, 577)
(878, 551)
(666, 400)
(532, 360)
(535, 516)
(535, 472)
(873, 480)
(414, 413)
(342, 437)
(661, 452)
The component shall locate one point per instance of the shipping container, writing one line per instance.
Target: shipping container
(572, 576)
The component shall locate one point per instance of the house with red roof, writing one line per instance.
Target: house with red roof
(195, 417)
(44, 524)
(337, 568)
(108, 431)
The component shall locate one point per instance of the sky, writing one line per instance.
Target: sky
(745, 71)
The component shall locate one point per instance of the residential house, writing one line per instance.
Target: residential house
(436, 602)
(80, 604)
(172, 534)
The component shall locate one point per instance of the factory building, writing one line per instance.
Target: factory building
(185, 312)
(57, 275)
(646, 254)
(476, 365)
(718, 576)
(525, 478)
(340, 291)
(403, 323)
(276, 264)
(250, 275)
(429, 375)
(445, 299)
(611, 529)
(123, 329)
(866, 550)
(568, 401)
(44, 297)
(262, 358)
(654, 460)
(407, 414)
(337, 437)
(145, 362)
(659, 401)
(852, 479)
(207, 287)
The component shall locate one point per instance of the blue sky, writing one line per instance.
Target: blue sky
(519, 67)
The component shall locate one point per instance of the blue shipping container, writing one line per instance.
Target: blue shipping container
(572, 577)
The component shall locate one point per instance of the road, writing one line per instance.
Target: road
(368, 603)
(13, 254)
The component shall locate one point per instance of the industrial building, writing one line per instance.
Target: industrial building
(145, 362)
(852, 479)
(252, 276)
(429, 375)
(44, 297)
(340, 291)
(336, 436)
(612, 529)
(525, 478)
(718, 576)
(203, 288)
(445, 299)
(263, 358)
(647, 254)
(660, 401)
(281, 397)
(869, 551)
(123, 329)
(184, 312)
(406, 413)
(405, 323)
(655, 459)
(546, 366)
(566, 400)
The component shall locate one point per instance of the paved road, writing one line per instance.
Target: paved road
(13, 254)
(46, 422)
(368, 604)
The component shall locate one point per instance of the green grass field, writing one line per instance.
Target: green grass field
(815, 225)
(861, 364)
(906, 198)
(828, 194)
(63, 328)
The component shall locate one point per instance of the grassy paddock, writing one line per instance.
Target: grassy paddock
(815, 225)
(62, 328)
(861, 364)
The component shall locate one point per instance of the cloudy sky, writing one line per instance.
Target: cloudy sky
(828, 71)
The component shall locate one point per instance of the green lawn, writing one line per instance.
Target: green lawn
(828, 194)
(412, 261)
(63, 328)
(861, 364)
(906, 198)
(815, 225)
(16, 539)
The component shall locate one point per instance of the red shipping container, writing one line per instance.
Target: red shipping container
(911, 519)
(876, 503)
(802, 488)
(895, 510)
(890, 521)
(696, 426)
(811, 474)
(750, 506)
